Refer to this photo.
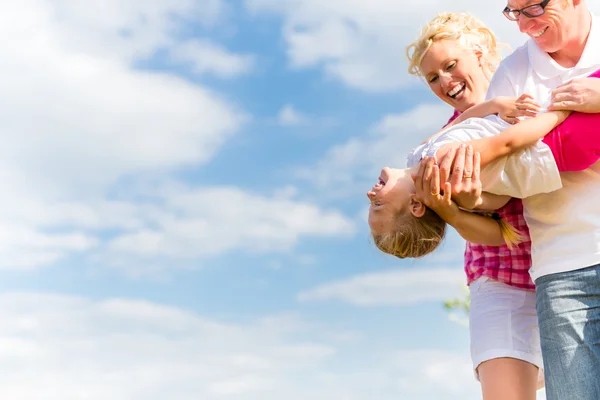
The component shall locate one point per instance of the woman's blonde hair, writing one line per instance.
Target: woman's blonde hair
(413, 237)
(462, 27)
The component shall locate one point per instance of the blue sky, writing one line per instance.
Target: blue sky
(184, 209)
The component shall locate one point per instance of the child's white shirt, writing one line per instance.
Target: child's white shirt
(522, 174)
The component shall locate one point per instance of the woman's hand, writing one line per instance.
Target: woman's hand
(462, 167)
(430, 193)
(510, 108)
(581, 95)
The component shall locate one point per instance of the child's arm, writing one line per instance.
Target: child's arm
(491, 202)
(507, 108)
(525, 133)
(480, 110)
(476, 228)
(477, 111)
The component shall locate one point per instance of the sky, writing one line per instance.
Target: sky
(184, 213)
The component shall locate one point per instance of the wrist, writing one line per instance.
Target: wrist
(449, 214)
(478, 203)
(494, 106)
(469, 203)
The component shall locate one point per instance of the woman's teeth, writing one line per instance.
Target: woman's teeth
(456, 90)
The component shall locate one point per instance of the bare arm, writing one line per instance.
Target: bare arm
(491, 202)
(476, 228)
(477, 111)
(480, 110)
(510, 109)
(515, 137)
(472, 227)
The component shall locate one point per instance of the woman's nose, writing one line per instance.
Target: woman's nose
(445, 81)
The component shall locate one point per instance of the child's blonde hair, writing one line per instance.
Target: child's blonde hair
(462, 27)
(413, 237)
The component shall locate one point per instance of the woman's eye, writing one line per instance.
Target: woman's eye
(433, 79)
(451, 66)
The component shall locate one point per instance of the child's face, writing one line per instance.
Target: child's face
(389, 195)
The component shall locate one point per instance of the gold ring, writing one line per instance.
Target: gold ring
(435, 194)
(467, 176)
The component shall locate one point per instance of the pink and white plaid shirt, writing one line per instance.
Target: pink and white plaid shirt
(498, 262)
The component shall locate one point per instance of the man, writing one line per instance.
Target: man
(564, 48)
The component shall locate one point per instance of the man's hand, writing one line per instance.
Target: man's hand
(581, 95)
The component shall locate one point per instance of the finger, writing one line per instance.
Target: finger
(468, 169)
(528, 105)
(447, 196)
(563, 86)
(419, 176)
(427, 192)
(525, 96)
(563, 105)
(563, 96)
(476, 167)
(434, 181)
(563, 92)
(428, 168)
(446, 165)
(510, 120)
(526, 113)
(459, 164)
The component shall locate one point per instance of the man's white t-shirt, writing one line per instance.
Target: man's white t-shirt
(564, 224)
(522, 174)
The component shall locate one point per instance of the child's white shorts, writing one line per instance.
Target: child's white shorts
(503, 323)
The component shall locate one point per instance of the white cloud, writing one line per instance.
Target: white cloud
(79, 123)
(289, 116)
(115, 29)
(76, 348)
(75, 115)
(362, 44)
(207, 57)
(395, 287)
(161, 222)
(204, 221)
(353, 166)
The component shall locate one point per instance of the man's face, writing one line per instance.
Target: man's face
(551, 29)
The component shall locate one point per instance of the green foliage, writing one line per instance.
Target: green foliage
(458, 304)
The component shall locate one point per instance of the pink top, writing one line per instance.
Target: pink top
(575, 143)
(498, 262)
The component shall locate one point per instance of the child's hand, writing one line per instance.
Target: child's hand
(510, 108)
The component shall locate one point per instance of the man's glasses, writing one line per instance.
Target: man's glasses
(532, 11)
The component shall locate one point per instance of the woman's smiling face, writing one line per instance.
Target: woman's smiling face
(455, 74)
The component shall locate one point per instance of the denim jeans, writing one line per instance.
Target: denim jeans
(568, 308)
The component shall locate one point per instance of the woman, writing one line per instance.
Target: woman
(457, 55)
